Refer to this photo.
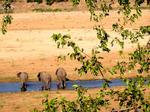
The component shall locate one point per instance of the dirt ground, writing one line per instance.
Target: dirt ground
(28, 101)
(28, 47)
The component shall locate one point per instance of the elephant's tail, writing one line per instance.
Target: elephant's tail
(24, 84)
(56, 71)
(67, 79)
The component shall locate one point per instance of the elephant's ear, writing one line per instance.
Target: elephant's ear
(39, 76)
(18, 74)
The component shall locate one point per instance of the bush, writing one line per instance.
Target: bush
(38, 1)
(130, 99)
(46, 10)
(50, 2)
(30, 1)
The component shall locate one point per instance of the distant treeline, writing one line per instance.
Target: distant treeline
(48, 2)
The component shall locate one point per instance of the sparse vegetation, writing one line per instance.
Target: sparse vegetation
(6, 20)
(38, 1)
(2, 103)
(50, 2)
(46, 10)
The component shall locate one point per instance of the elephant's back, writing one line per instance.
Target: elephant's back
(24, 76)
(61, 73)
(45, 77)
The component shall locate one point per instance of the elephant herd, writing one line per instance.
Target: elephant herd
(45, 78)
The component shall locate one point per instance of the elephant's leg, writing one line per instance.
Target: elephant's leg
(23, 87)
(47, 86)
(58, 84)
(63, 84)
(43, 87)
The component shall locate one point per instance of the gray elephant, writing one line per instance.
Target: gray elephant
(45, 78)
(23, 76)
(61, 76)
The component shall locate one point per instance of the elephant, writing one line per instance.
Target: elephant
(45, 78)
(23, 76)
(61, 76)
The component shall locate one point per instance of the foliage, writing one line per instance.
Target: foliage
(88, 63)
(7, 6)
(28, 1)
(145, 29)
(75, 2)
(50, 2)
(130, 98)
(6, 18)
(83, 103)
(38, 1)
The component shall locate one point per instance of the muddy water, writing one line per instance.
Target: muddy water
(36, 86)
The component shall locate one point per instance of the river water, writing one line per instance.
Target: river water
(36, 86)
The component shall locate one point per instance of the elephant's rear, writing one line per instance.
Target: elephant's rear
(61, 74)
(23, 76)
(45, 77)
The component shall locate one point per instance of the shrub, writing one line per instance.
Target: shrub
(50, 2)
(38, 1)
